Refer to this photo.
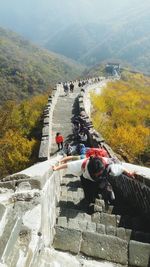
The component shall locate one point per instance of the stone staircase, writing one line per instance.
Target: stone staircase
(102, 235)
(32, 201)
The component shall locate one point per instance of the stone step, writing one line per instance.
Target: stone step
(92, 244)
(84, 224)
(74, 214)
(71, 181)
(102, 245)
(106, 224)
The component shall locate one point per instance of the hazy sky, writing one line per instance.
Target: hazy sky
(89, 9)
(33, 17)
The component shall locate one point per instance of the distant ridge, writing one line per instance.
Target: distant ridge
(26, 69)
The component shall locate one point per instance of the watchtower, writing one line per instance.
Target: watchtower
(113, 69)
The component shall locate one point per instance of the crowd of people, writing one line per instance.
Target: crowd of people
(68, 87)
(93, 165)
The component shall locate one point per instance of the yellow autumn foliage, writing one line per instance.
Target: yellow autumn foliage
(20, 133)
(121, 114)
(15, 152)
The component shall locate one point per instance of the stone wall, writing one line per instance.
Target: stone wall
(28, 213)
(46, 139)
(28, 209)
(135, 192)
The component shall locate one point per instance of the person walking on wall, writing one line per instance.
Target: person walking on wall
(94, 173)
(59, 141)
(71, 87)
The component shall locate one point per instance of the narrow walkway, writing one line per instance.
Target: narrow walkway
(62, 117)
(73, 219)
(111, 233)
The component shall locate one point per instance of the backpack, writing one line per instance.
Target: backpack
(96, 152)
(81, 149)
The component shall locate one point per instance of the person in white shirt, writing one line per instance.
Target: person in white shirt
(93, 172)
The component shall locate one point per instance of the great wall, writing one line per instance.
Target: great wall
(43, 221)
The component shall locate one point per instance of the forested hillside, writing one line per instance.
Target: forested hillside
(122, 115)
(128, 41)
(87, 31)
(27, 70)
(20, 133)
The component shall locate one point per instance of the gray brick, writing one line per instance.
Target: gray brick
(64, 192)
(105, 247)
(128, 234)
(80, 193)
(108, 219)
(63, 198)
(67, 240)
(69, 194)
(96, 217)
(100, 203)
(110, 230)
(73, 224)
(82, 225)
(91, 227)
(62, 221)
(69, 199)
(100, 228)
(121, 233)
(139, 254)
(98, 208)
(75, 195)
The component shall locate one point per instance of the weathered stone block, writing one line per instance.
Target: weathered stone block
(121, 233)
(45, 130)
(2, 210)
(110, 230)
(100, 228)
(108, 219)
(46, 120)
(91, 227)
(67, 239)
(96, 217)
(44, 149)
(62, 221)
(73, 224)
(82, 225)
(128, 234)
(98, 208)
(105, 247)
(139, 254)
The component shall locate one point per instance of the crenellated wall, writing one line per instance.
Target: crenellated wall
(135, 192)
(46, 140)
(28, 213)
(29, 199)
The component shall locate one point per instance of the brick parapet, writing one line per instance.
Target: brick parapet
(46, 139)
(135, 192)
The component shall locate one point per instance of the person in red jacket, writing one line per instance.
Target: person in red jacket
(59, 140)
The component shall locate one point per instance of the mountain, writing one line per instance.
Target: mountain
(76, 40)
(129, 41)
(28, 70)
(40, 20)
(84, 30)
